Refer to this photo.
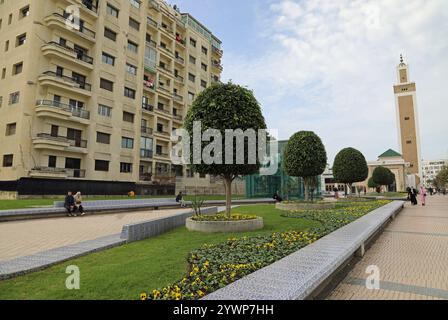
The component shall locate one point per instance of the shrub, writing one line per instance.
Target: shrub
(350, 166)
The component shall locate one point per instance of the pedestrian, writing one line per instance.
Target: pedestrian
(431, 191)
(414, 196)
(409, 191)
(423, 195)
(336, 193)
(180, 199)
(69, 204)
(78, 203)
(277, 197)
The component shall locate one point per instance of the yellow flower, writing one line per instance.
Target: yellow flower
(200, 293)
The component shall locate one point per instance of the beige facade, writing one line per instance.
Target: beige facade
(98, 103)
(407, 120)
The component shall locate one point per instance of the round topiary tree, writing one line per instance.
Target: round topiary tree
(305, 156)
(221, 107)
(372, 185)
(383, 176)
(350, 166)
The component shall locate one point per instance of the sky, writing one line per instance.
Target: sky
(329, 66)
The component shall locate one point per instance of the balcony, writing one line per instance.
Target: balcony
(151, 43)
(179, 79)
(166, 51)
(146, 130)
(147, 107)
(217, 64)
(55, 50)
(166, 71)
(57, 20)
(180, 41)
(164, 134)
(62, 111)
(167, 30)
(146, 154)
(145, 177)
(165, 177)
(217, 51)
(178, 118)
(179, 60)
(152, 23)
(59, 143)
(51, 78)
(177, 97)
(149, 85)
(154, 5)
(49, 172)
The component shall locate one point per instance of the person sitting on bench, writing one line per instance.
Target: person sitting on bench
(69, 204)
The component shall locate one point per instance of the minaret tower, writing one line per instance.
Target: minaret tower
(407, 120)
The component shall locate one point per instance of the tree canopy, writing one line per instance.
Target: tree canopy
(383, 176)
(350, 166)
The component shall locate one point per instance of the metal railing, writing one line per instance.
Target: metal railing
(152, 22)
(147, 107)
(82, 29)
(76, 112)
(77, 143)
(81, 85)
(71, 173)
(178, 117)
(89, 5)
(79, 55)
(180, 59)
(146, 154)
(179, 78)
(177, 96)
(146, 130)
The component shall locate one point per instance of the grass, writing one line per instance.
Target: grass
(30, 203)
(124, 272)
(387, 194)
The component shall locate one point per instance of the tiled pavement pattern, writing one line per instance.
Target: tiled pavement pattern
(23, 238)
(412, 255)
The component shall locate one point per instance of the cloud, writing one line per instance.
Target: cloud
(329, 66)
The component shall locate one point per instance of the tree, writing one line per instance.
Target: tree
(383, 176)
(371, 184)
(220, 107)
(441, 180)
(305, 156)
(350, 166)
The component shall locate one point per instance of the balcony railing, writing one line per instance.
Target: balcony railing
(217, 51)
(166, 49)
(90, 5)
(145, 176)
(151, 43)
(147, 107)
(179, 78)
(146, 154)
(75, 82)
(167, 29)
(146, 130)
(166, 69)
(177, 97)
(84, 30)
(151, 22)
(180, 60)
(178, 117)
(154, 5)
(71, 173)
(76, 112)
(164, 133)
(77, 143)
(79, 55)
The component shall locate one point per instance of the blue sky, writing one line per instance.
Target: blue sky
(329, 66)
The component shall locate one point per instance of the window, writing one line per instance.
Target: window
(10, 18)
(52, 161)
(125, 167)
(128, 117)
(132, 46)
(1, 101)
(108, 59)
(193, 42)
(101, 165)
(130, 93)
(204, 50)
(8, 160)
(6, 45)
(192, 60)
(112, 10)
(406, 118)
(104, 111)
(409, 142)
(10, 129)
(191, 77)
(3, 73)
(127, 143)
(25, 12)
(110, 34)
(20, 40)
(14, 97)
(204, 66)
(131, 69)
(190, 96)
(135, 3)
(134, 24)
(103, 138)
(203, 84)
(106, 84)
(17, 68)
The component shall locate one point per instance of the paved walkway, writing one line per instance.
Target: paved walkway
(412, 256)
(23, 238)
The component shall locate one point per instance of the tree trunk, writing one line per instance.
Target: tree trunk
(228, 187)
(306, 184)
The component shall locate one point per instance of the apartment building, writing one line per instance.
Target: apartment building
(431, 168)
(90, 103)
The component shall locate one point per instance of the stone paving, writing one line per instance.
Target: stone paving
(24, 238)
(412, 256)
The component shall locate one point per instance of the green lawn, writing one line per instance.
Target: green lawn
(387, 194)
(29, 203)
(124, 272)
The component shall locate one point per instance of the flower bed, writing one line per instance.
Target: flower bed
(304, 205)
(216, 266)
(223, 217)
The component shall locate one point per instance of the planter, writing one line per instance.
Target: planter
(304, 206)
(225, 226)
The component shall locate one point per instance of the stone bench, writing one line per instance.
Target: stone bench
(305, 273)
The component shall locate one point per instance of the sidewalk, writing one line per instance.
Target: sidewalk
(24, 238)
(412, 255)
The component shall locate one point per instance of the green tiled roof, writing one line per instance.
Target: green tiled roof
(390, 154)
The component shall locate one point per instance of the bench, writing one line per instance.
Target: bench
(112, 206)
(307, 272)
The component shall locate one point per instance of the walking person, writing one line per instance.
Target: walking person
(78, 203)
(423, 195)
(414, 196)
(69, 204)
